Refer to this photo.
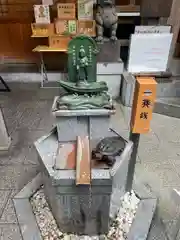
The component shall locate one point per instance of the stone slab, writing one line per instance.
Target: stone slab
(16, 176)
(5, 140)
(168, 107)
(141, 190)
(4, 195)
(75, 212)
(9, 215)
(84, 190)
(109, 52)
(70, 127)
(141, 224)
(26, 219)
(10, 231)
(99, 127)
(127, 90)
(30, 188)
(119, 174)
(47, 148)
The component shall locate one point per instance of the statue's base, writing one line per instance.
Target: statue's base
(72, 123)
(93, 87)
(109, 51)
(110, 67)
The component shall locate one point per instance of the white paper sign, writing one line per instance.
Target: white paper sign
(149, 52)
(152, 29)
(42, 14)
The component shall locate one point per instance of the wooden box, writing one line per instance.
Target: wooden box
(87, 27)
(65, 26)
(42, 30)
(61, 26)
(66, 11)
(60, 42)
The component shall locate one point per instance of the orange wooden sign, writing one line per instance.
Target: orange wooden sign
(143, 103)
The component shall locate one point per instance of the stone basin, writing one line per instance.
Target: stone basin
(81, 209)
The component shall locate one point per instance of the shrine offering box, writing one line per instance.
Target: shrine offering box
(85, 9)
(87, 27)
(65, 26)
(41, 14)
(59, 41)
(66, 11)
(42, 30)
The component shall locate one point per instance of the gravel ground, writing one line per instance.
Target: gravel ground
(118, 230)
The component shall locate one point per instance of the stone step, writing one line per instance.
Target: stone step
(168, 87)
(168, 106)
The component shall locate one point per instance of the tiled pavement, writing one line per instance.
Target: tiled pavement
(27, 112)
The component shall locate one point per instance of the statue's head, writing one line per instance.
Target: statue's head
(82, 52)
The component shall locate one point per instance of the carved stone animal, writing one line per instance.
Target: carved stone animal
(106, 18)
(108, 148)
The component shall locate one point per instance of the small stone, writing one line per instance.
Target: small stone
(67, 237)
(102, 237)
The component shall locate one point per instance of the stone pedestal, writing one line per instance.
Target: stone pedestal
(82, 209)
(110, 66)
(128, 85)
(71, 123)
(5, 140)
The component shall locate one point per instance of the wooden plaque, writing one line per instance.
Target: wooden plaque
(66, 11)
(143, 103)
(87, 27)
(83, 161)
(61, 26)
(60, 42)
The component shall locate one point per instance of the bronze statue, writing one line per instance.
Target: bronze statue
(106, 18)
(107, 149)
(81, 89)
(82, 67)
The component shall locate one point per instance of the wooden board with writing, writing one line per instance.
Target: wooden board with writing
(143, 103)
(66, 11)
(87, 27)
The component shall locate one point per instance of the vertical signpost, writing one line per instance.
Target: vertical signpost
(142, 109)
(149, 51)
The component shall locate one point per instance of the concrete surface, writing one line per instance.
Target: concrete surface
(27, 115)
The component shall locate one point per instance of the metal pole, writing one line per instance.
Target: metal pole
(134, 137)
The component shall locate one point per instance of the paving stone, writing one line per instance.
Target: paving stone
(157, 231)
(10, 232)
(29, 119)
(25, 137)
(16, 155)
(16, 176)
(4, 195)
(8, 215)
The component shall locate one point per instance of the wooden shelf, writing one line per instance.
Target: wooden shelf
(39, 36)
(48, 49)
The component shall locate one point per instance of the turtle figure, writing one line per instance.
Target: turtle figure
(108, 148)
